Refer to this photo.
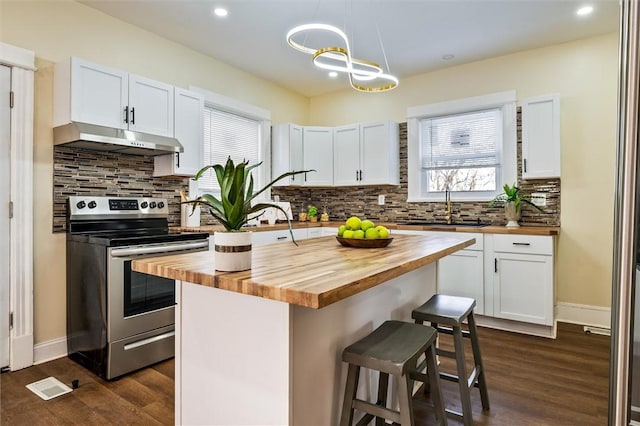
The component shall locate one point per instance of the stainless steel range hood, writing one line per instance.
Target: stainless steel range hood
(100, 138)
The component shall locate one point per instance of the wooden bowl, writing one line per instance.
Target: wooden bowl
(362, 243)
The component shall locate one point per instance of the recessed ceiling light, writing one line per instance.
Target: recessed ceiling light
(448, 57)
(333, 74)
(219, 11)
(584, 10)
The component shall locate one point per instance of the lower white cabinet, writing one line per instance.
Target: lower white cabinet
(462, 274)
(523, 278)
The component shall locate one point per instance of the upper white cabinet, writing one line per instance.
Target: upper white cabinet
(317, 154)
(366, 154)
(188, 129)
(357, 154)
(296, 148)
(96, 94)
(541, 137)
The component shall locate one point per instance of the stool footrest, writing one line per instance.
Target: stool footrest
(449, 331)
(473, 378)
(445, 353)
(376, 410)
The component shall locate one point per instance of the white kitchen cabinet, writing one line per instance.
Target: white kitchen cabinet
(367, 154)
(279, 236)
(188, 129)
(286, 153)
(346, 155)
(95, 94)
(321, 231)
(523, 278)
(462, 273)
(317, 154)
(541, 137)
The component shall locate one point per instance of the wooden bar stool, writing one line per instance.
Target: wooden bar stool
(392, 349)
(451, 311)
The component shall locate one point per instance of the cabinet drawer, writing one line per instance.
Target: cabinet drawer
(478, 245)
(530, 244)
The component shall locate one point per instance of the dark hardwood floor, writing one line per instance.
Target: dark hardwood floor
(532, 381)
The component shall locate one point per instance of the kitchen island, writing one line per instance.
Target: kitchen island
(264, 346)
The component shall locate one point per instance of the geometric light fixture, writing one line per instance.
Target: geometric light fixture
(339, 59)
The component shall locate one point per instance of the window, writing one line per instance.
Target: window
(233, 128)
(466, 146)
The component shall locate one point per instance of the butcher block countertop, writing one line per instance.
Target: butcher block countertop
(489, 229)
(314, 274)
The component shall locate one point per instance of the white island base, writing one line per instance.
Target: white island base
(245, 360)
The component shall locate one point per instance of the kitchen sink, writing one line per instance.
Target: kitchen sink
(446, 225)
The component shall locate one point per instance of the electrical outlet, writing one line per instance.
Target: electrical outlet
(539, 199)
(381, 200)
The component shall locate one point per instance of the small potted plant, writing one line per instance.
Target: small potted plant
(233, 210)
(512, 200)
(312, 213)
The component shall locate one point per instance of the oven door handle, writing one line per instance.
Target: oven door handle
(164, 249)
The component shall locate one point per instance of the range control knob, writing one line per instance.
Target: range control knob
(144, 205)
(152, 205)
(160, 204)
(92, 204)
(81, 205)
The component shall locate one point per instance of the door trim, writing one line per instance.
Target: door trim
(21, 226)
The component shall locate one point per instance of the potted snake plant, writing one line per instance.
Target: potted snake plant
(512, 200)
(233, 209)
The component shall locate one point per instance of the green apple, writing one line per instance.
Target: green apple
(359, 234)
(348, 233)
(353, 223)
(341, 230)
(371, 234)
(366, 224)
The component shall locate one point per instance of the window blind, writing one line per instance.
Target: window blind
(468, 140)
(227, 134)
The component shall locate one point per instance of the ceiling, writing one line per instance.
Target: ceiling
(415, 34)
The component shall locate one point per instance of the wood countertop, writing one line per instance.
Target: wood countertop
(314, 274)
(489, 229)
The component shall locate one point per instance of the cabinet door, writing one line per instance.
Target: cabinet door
(296, 157)
(279, 236)
(98, 94)
(318, 155)
(523, 287)
(462, 274)
(188, 128)
(150, 106)
(379, 153)
(286, 153)
(346, 155)
(541, 137)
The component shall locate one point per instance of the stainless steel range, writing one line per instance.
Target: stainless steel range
(119, 320)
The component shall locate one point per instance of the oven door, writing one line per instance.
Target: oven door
(137, 302)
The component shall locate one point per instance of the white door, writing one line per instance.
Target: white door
(462, 274)
(296, 159)
(150, 106)
(5, 88)
(189, 129)
(379, 157)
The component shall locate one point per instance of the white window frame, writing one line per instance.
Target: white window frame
(262, 174)
(506, 101)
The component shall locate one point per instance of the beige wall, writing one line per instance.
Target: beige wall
(55, 30)
(584, 73)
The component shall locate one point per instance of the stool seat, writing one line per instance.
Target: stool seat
(391, 347)
(443, 309)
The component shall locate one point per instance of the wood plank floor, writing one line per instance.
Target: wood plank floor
(532, 381)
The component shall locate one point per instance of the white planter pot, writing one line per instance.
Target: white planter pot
(512, 214)
(232, 251)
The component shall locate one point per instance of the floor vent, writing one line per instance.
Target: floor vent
(48, 388)
(597, 330)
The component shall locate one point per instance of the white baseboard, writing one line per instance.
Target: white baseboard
(516, 326)
(50, 350)
(21, 352)
(597, 316)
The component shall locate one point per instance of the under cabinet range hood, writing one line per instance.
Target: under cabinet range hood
(100, 138)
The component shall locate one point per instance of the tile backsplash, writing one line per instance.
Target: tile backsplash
(83, 172)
